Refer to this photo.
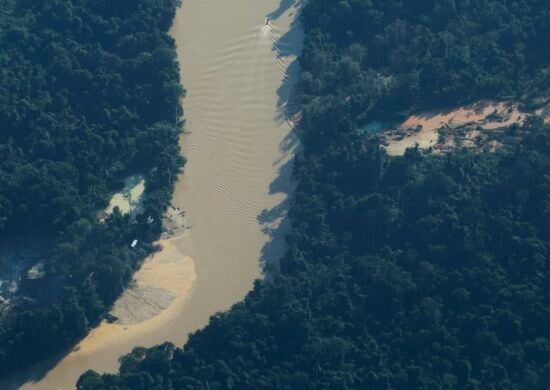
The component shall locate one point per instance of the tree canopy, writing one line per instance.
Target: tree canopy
(419, 271)
(89, 93)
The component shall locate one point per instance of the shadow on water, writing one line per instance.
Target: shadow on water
(34, 373)
(275, 221)
(283, 7)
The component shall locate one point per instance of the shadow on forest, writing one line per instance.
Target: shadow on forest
(19, 249)
(275, 221)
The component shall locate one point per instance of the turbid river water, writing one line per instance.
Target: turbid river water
(238, 71)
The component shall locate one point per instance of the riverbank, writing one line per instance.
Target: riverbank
(239, 146)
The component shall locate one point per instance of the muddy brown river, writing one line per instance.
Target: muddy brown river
(238, 62)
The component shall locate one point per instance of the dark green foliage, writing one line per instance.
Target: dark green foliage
(415, 272)
(394, 55)
(89, 93)
(434, 277)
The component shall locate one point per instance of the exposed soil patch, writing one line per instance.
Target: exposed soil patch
(486, 126)
(20, 269)
(129, 199)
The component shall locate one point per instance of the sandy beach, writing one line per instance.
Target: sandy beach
(238, 71)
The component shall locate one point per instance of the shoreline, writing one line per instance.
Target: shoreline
(239, 148)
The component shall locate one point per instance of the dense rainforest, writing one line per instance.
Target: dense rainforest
(413, 272)
(89, 93)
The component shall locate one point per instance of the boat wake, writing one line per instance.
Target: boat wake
(228, 209)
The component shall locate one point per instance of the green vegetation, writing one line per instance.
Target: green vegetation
(413, 272)
(89, 94)
(410, 272)
(391, 56)
(401, 273)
